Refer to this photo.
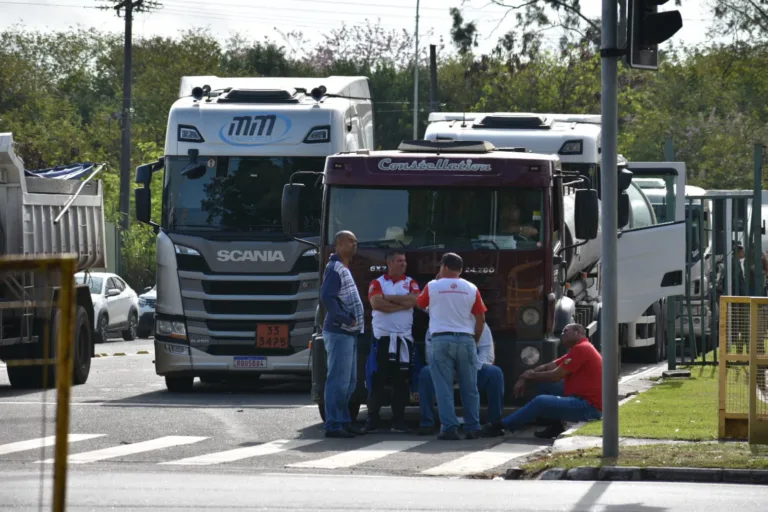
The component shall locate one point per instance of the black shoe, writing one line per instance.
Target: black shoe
(426, 431)
(343, 434)
(400, 427)
(492, 430)
(449, 435)
(552, 431)
(371, 426)
(473, 434)
(354, 430)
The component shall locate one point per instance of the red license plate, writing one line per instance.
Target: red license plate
(272, 336)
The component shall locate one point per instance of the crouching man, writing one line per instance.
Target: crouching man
(570, 389)
(490, 380)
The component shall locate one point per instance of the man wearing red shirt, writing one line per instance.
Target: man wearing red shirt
(571, 388)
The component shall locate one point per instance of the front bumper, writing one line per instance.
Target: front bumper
(173, 358)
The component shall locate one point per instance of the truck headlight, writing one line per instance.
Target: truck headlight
(530, 356)
(188, 251)
(171, 329)
(530, 316)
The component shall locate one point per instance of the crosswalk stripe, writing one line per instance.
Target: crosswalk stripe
(40, 442)
(130, 449)
(483, 460)
(359, 456)
(243, 453)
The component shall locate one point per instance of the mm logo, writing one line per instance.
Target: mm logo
(268, 256)
(255, 130)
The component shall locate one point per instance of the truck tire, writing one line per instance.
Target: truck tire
(81, 367)
(354, 410)
(32, 376)
(131, 333)
(179, 384)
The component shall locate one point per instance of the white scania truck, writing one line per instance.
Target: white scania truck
(234, 294)
(575, 139)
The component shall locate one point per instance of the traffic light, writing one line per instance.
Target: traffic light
(646, 29)
(624, 180)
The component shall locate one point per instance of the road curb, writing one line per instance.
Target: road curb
(658, 474)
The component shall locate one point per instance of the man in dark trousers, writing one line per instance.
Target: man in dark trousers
(343, 323)
(392, 297)
(571, 389)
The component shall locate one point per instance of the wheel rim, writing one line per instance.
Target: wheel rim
(133, 326)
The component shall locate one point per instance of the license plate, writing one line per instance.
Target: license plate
(249, 362)
(272, 336)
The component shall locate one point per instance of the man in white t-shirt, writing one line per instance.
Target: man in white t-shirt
(490, 380)
(456, 321)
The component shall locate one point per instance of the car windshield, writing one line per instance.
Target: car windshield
(94, 283)
(239, 194)
(444, 218)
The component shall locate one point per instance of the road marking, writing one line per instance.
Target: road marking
(482, 461)
(41, 442)
(359, 456)
(130, 449)
(243, 453)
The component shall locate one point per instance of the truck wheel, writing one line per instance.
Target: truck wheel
(354, 410)
(179, 384)
(81, 367)
(23, 377)
(133, 323)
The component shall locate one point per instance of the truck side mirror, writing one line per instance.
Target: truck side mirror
(289, 207)
(623, 213)
(586, 214)
(143, 204)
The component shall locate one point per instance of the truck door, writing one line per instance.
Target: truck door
(651, 259)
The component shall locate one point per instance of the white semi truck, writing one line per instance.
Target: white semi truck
(235, 295)
(575, 139)
(49, 212)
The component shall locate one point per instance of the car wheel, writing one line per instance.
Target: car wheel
(133, 323)
(102, 329)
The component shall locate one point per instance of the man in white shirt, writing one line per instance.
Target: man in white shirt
(456, 321)
(392, 297)
(490, 380)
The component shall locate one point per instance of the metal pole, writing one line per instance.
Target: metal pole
(669, 156)
(609, 213)
(433, 77)
(416, 79)
(125, 151)
(757, 215)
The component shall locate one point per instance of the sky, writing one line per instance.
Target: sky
(259, 18)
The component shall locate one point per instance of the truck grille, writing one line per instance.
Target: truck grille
(248, 307)
(250, 288)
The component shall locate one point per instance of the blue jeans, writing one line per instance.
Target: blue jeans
(447, 354)
(341, 380)
(490, 380)
(551, 404)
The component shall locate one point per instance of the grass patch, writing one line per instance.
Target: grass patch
(692, 455)
(683, 409)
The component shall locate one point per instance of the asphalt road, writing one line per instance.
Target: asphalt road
(123, 417)
(129, 490)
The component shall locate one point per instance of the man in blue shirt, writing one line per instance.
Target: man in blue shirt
(343, 323)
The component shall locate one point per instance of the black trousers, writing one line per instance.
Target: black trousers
(400, 391)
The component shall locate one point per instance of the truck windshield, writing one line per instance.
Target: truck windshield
(240, 194)
(444, 218)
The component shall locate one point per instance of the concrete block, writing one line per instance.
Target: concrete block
(618, 473)
(583, 473)
(683, 474)
(553, 474)
(676, 374)
(745, 476)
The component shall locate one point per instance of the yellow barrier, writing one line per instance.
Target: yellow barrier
(66, 267)
(743, 362)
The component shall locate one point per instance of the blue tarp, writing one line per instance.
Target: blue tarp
(63, 172)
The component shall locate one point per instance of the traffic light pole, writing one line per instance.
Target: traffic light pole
(609, 335)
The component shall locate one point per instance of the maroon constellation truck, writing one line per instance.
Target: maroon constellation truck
(500, 210)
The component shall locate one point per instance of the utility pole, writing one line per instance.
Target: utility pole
(609, 331)
(129, 7)
(416, 79)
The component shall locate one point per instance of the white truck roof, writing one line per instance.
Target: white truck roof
(354, 86)
(539, 133)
